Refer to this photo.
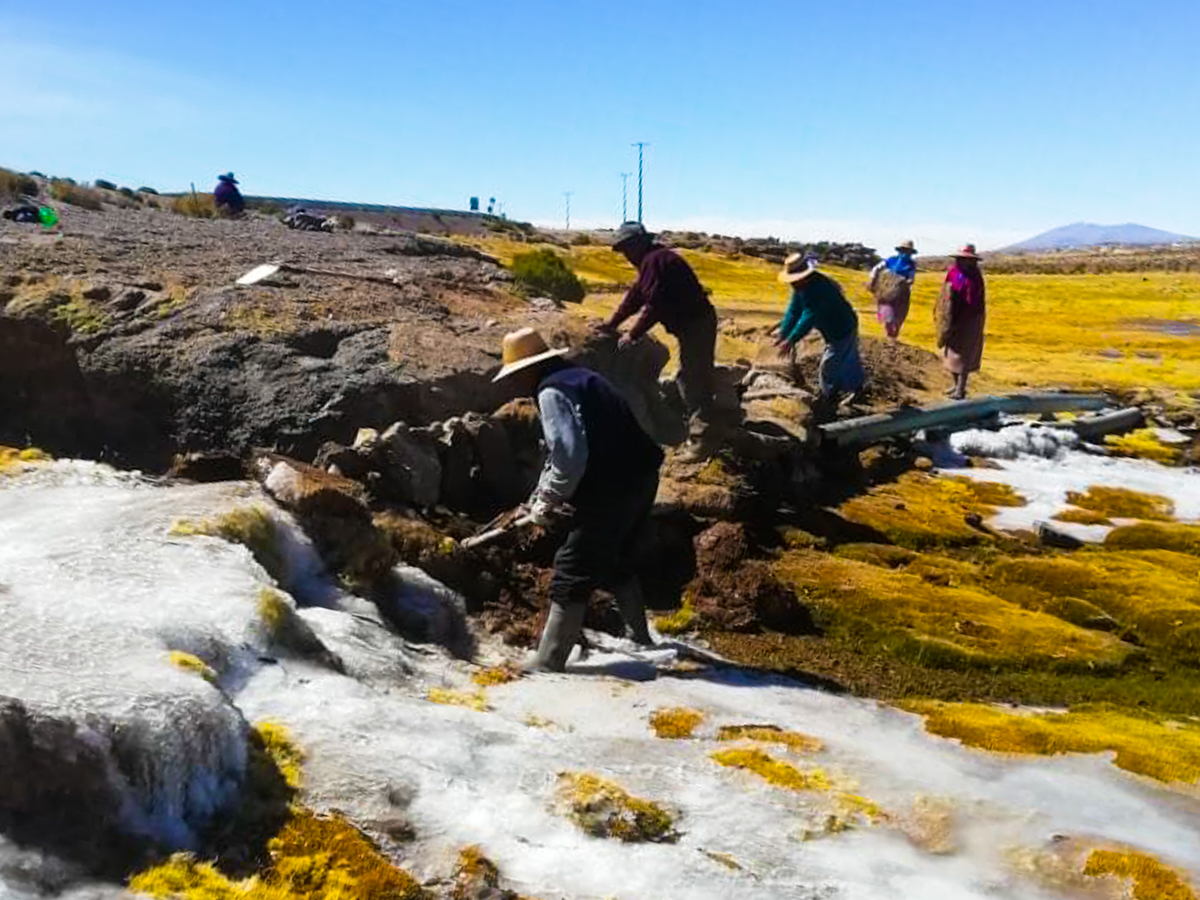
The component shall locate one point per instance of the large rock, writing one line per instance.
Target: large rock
(333, 511)
(413, 467)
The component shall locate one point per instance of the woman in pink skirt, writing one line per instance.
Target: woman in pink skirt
(891, 283)
(961, 314)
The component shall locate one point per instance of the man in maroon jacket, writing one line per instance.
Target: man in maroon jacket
(668, 293)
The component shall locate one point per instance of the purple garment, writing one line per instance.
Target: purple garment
(227, 194)
(669, 292)
(967, 286)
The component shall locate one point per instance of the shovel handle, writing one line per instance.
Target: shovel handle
(488, 536)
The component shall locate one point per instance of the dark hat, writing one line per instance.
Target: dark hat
(228, 176)
(630, 232)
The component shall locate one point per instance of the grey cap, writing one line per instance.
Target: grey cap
(630, 232)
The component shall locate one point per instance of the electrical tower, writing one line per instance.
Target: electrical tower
(568, 194)
(640, 145)
(625, 196)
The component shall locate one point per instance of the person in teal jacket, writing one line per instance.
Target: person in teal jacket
(818, 304)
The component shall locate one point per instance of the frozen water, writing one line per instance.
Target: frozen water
(1044, 484)
(95, 594)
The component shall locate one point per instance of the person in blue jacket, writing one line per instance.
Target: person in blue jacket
(818, 304)
(227, 198)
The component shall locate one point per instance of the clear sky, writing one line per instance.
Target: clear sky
(846, 119)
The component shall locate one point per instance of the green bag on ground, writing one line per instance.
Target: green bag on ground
(48, 217)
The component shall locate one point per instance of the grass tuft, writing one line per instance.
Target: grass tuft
(675, 724)
(476, 701)
(192, 663)
(1147, 877)
(604, 809)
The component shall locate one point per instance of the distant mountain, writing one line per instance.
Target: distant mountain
(1085, 234)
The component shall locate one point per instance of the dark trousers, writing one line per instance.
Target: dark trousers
(599, 550)
(697, 350)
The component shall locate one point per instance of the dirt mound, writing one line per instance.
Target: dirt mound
(737, 592)
(897, 373)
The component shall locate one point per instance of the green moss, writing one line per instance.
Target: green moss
(190, 663)
(1155, 536)
(990, 493)
(604, 809)
(1144, 444)
(251, 526)
(446, 697)
(773, 771)
(1148, 878)
(1082, 517)
(920, 512)
(681, 621)
(934, 623)
(1142, 742)
(283, 753)
(1122, 503)
(800, 743)
(675, 724)
(495, 675)
(14, 458)
(1157, 595)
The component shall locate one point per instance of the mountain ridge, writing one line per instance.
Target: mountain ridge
(1079, 235)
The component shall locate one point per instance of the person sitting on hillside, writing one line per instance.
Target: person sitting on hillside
(961, 314)
(667, 291)
(600, 477)
(226, 197)
(891, 283)
(818, 303)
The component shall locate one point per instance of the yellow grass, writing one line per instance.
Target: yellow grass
(1143, 743)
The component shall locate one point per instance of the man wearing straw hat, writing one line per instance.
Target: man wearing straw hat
(818, 303)
(601, 475)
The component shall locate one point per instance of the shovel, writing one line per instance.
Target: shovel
(259, 273)
(492, 534)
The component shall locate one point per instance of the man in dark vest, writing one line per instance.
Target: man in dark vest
(601, 474)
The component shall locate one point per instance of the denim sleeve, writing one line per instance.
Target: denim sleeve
(566, 447)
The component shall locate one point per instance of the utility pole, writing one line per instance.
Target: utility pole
(568, 194)
(625, 196)
(640, 145)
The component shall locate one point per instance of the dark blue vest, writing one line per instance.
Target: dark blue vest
(619, 451)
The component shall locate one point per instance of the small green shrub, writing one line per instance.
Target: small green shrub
(545, 273)
(583, 239)
(68, 191)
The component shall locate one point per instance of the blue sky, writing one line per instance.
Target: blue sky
(848, 119)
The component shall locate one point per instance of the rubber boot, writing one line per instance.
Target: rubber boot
(563, 627)
(633, 610)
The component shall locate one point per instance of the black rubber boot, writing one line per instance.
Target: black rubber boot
(632, 607)
(563, 627)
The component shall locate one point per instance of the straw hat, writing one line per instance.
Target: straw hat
(967, 252)
(796, 267)
(906, 246)
(524, 348)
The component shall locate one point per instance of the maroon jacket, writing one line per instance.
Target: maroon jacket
(666, 291)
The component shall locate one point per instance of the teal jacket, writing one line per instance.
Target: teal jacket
(818, 302)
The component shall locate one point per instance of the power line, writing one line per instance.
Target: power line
(568, 194)
(625, 196)
(640, 145)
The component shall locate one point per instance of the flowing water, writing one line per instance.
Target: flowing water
(96, 593)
